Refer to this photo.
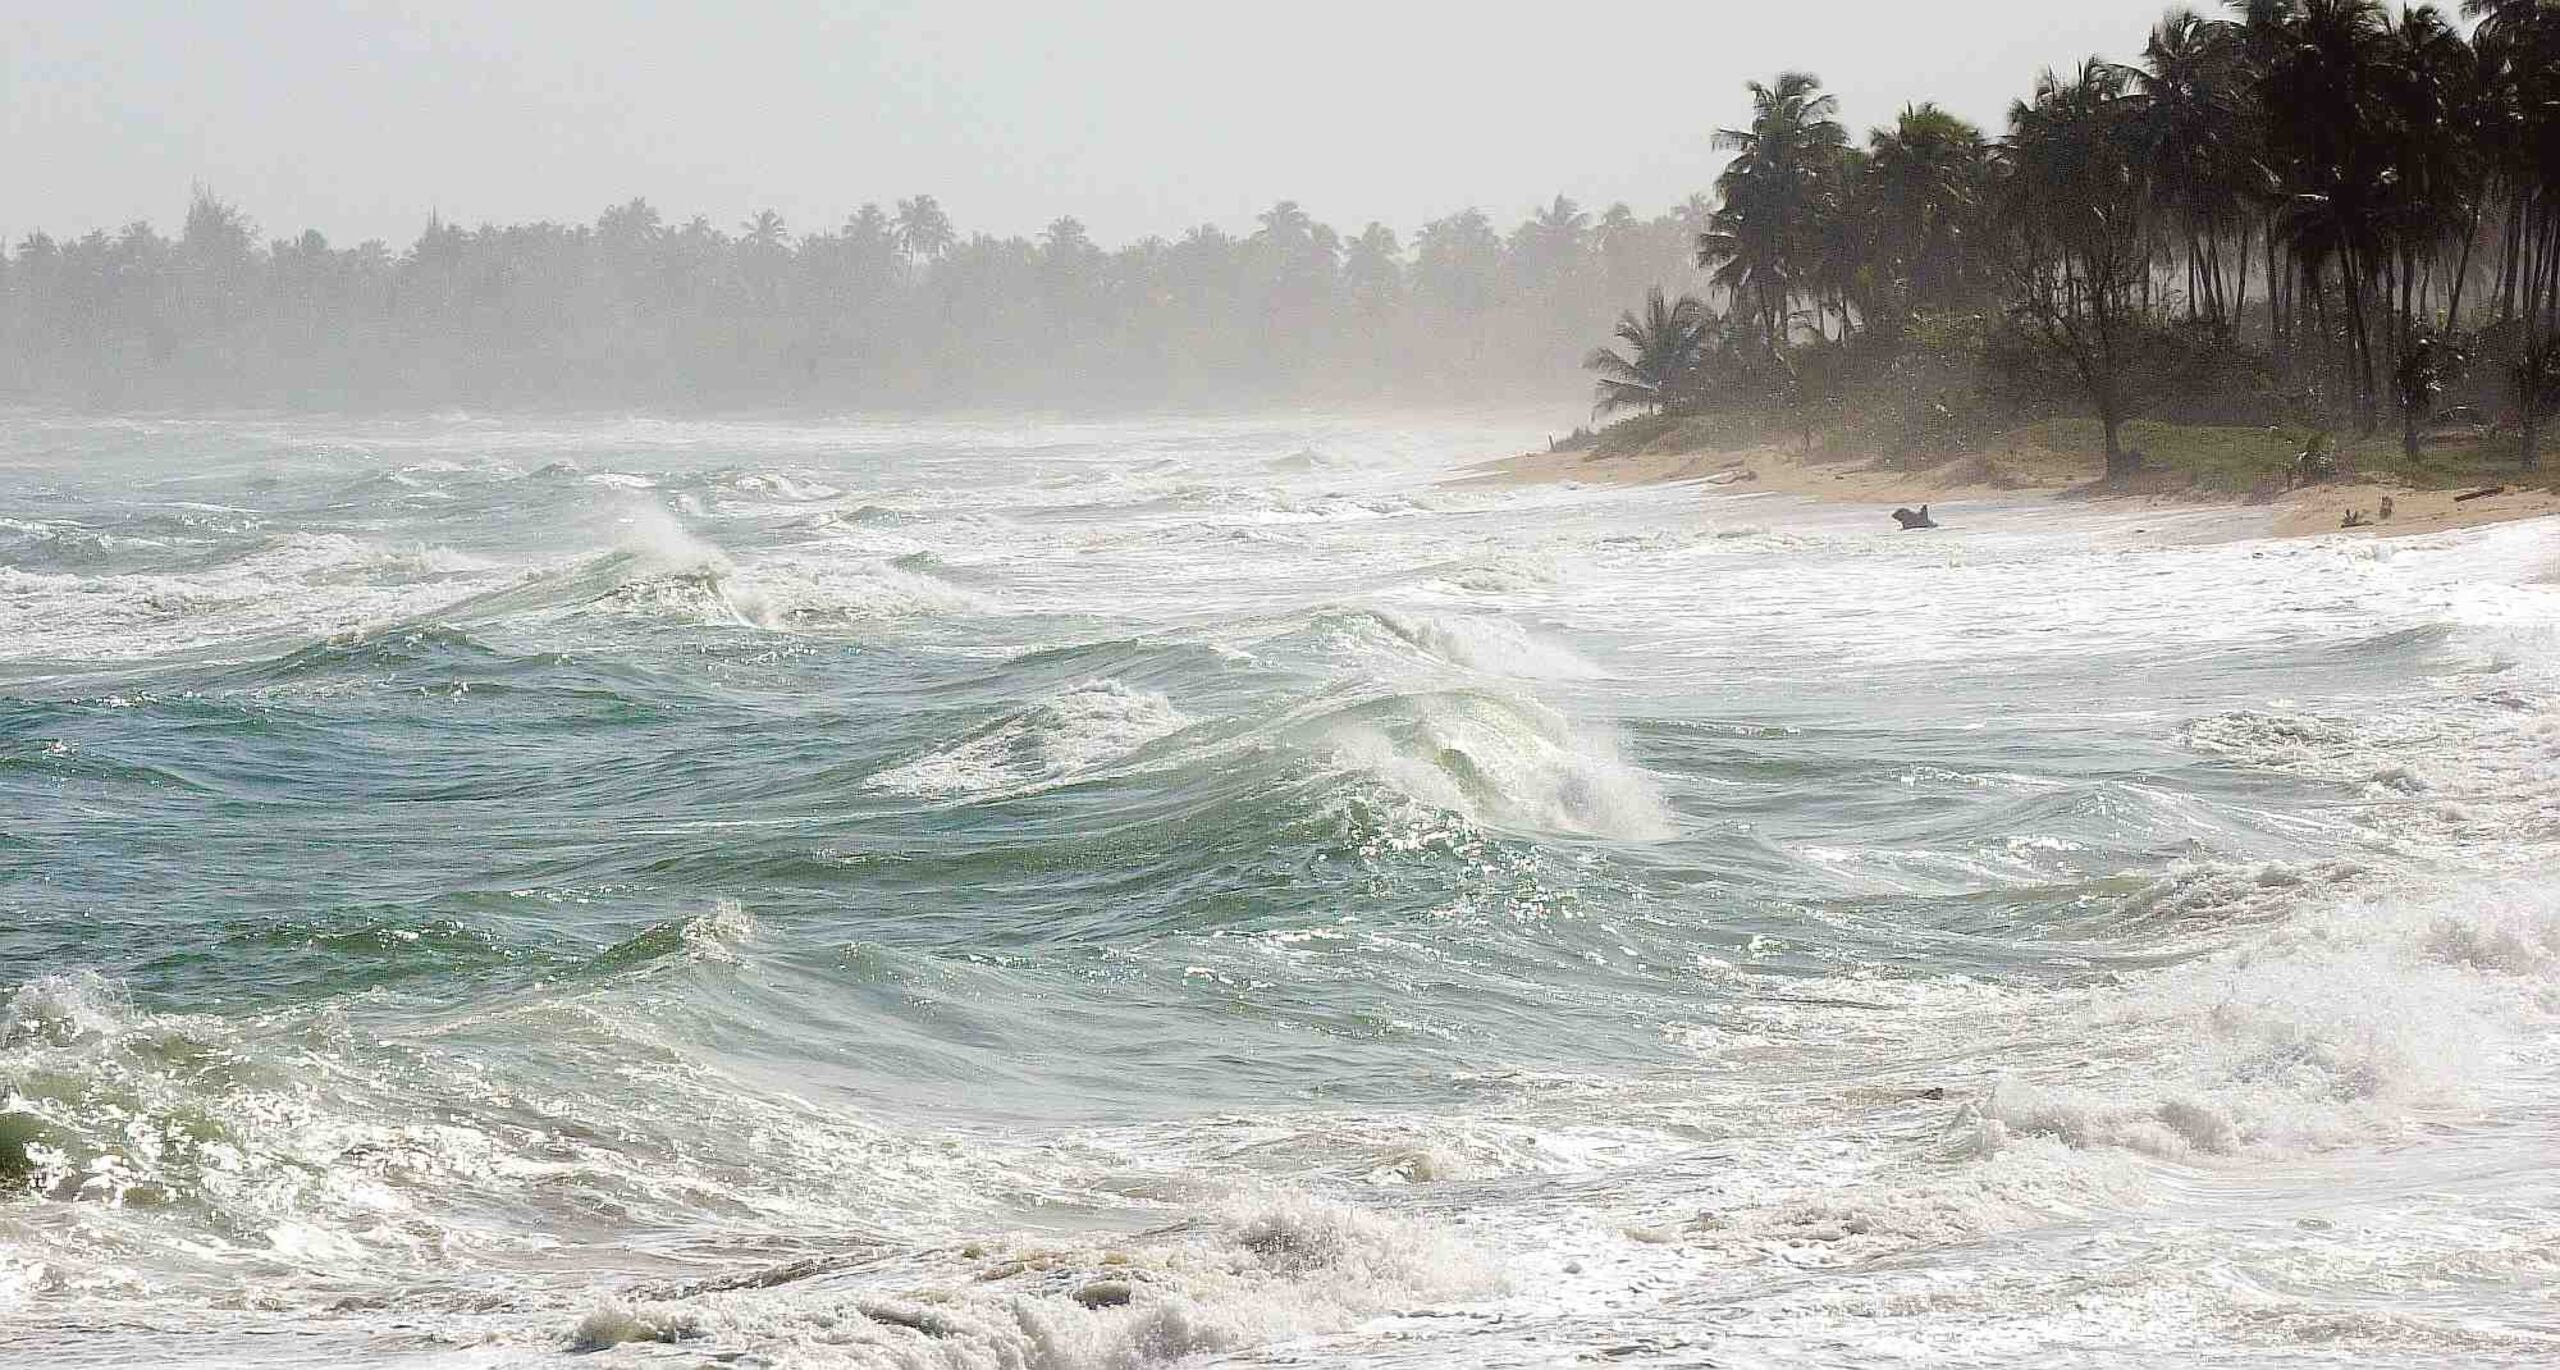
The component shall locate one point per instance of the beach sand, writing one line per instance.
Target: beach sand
(2020, 474)
(2323, 508)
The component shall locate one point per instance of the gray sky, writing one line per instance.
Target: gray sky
(359, 117)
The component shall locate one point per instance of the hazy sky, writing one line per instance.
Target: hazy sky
(360, 117)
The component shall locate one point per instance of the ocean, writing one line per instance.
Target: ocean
(614, 892)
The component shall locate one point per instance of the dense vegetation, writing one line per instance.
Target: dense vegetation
(2319, 214)
(2311, 212)
(894, 308)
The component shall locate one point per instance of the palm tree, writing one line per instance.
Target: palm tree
(2264, 32)
(762, 232)
(2430, 93)
(1285, 224)
(2199, 152)
(2332, 157)
(1763, 242)
(1658, 371)
(1846, 277)
(1552, 242)
(1458, 261)
(1296, 248)
(1924, 178)
(763, 247)
(2519, 43)
(924, 231)
(2073, 207)
(1373, 269)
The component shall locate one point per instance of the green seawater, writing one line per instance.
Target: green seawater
(480, 890)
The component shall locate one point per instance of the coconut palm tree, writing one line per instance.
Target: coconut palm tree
(2073, 210)
(1552, 242)
(2332, 156)
(1373, 269)
(924, 231)
(1458, 261)
(1925, 178)
(2519, 44)
(1763, 243)
(2200, 153)
(763, 232)
(2430, 93)
(1657, 372)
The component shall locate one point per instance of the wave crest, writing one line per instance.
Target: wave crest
(1258, 1271)
(1502, 762)
(1069, 736)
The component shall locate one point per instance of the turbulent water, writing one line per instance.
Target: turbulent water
(483, 892)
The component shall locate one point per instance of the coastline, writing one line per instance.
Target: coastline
(2028, 475)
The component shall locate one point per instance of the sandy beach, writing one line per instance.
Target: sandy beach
(2017, 474)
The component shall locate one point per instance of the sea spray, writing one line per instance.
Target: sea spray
(1086, 727)
(1088, 894)
(1265, 1268)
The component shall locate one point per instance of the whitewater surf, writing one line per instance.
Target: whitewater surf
(493, 891)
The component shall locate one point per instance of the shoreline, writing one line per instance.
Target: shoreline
(2018, 477)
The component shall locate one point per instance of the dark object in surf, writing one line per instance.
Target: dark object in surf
(2481, 494)
(1104, 1294)
(1914, 518)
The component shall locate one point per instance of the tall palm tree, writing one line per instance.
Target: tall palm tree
(2264, 32)
(2199, 150)
(1925, 179)
(763, 250)
(2332, 154)
(1064, 243)
(1458, 261)
(764, 231)
(1553, 241)
(1658, 371)
(2519, 43)
(2429, 96)
(1763, 242)
(1373, 269)
(924, 231)
(1285, 227)
(2073, 209)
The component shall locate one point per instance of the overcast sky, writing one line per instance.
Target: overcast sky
(359, 117)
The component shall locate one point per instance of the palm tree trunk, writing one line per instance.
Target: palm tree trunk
(2355, 281)
(2212, 269)
(2240, 298)
(2406, 337)
(2507, 275)
(2541, 303)
(2199, 282)
(2277, 340)
(2323, 358)
(2462, 271)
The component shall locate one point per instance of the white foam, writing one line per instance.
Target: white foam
(1069, 736)
(301, 583)
(1508, 763)
(2340, 1025)
(1481, 643)
(1260, 1271)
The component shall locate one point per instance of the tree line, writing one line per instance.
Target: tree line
(2320, 210)
(894, 307)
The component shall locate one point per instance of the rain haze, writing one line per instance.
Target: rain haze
(1366, 686)
(359, 120)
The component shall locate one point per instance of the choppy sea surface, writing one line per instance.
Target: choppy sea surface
(628, 894)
